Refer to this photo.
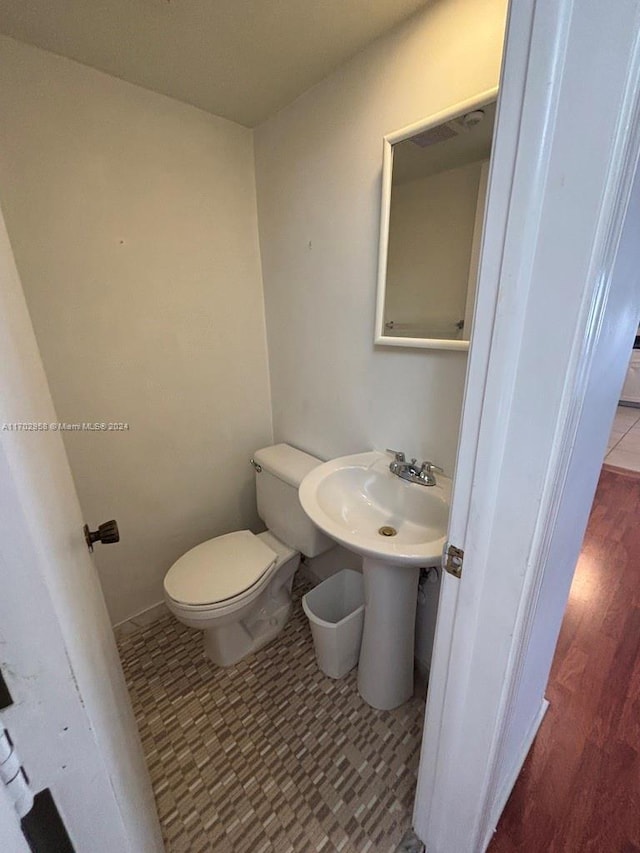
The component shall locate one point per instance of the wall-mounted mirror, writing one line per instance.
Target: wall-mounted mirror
(434, 183)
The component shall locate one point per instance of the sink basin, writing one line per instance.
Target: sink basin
(353, 498)
(398, 527)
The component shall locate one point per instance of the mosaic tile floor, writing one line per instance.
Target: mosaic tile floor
(268, 755)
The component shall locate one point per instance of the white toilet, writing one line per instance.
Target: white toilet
(237, 587)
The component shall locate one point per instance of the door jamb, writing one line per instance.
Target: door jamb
(449, 660)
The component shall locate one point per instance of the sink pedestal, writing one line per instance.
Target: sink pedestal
(385, 670)
(397, 527)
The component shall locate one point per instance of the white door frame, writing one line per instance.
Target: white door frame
(556, 313)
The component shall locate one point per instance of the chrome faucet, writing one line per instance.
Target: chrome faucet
(422, 475)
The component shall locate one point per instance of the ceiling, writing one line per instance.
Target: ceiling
(241, 59)
(412, 162)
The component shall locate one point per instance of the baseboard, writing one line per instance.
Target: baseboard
(410, 843)
(140, 620)
(306, 573)
(622, 472)
(421, 677)
(512, 775)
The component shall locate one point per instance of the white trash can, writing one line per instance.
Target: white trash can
(335, 609)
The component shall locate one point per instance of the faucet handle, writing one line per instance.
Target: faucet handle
(399, 455)
(429, 467)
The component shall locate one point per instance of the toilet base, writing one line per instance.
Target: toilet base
(227, 644)
(239, 626)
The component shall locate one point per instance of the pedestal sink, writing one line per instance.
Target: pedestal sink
(398, 527)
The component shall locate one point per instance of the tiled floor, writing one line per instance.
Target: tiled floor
(268, 755)
(623, 450)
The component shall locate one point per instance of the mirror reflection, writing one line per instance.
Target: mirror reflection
(435, 200)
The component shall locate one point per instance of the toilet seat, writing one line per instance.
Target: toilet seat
(219, 570)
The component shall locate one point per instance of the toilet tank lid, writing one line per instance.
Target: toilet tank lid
(287, 463)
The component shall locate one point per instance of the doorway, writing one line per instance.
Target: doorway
(578, 789)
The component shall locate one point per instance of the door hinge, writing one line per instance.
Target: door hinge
(12, 775)
(452, 561)
(5, 695)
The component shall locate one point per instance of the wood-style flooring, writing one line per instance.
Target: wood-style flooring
(579, 791)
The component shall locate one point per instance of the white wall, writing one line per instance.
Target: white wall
(318, 168)
(133, 222)
(431, 226)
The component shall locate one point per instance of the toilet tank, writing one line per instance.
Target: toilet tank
(282, 470)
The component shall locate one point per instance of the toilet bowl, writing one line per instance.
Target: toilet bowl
(236, 588)
(238, 614)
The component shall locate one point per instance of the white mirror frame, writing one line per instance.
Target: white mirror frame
(391, 139)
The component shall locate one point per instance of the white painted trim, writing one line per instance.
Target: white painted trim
(476, 245)
(421, 343)
(511, 776)
(507, 131)
(141, 619)
(476, 102)
(615, 203)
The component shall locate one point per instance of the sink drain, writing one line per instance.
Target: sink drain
(387, 531)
